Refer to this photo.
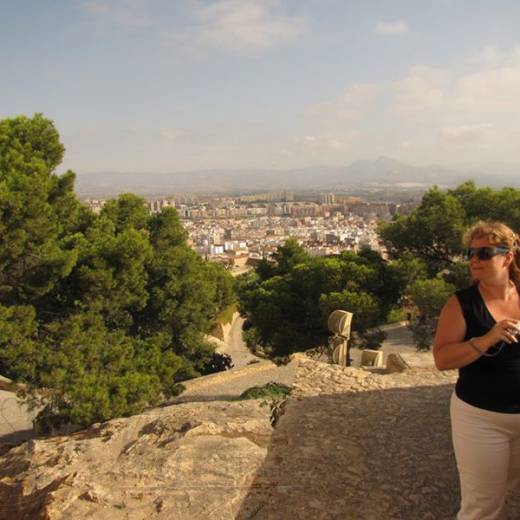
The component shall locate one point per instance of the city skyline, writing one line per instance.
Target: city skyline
(156, 86)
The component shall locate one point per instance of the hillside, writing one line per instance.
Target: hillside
(383, 171)
(348, 444)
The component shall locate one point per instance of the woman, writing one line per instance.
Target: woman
(477, 333)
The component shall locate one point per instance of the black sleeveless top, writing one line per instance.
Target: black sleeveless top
(491, 383)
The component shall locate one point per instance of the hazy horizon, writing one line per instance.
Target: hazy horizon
(165, 87)
(509, 168)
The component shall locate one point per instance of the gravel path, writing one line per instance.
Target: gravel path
(235, 345)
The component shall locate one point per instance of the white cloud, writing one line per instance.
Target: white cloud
(493, 56)
(488, 56)
(494, 89)
(337, 144)
(422, 88)
(478, 142)
(488, 92)
(172, 134)
(326, 143)
(465, 134)
(124, 13)
(448, 114)
(391, 27)
(229, 25)
(358, 99)
(242, 25)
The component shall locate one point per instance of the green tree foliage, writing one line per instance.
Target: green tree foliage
(288, 255)
(457, 274)
(18, 349)
(34, 253)
(431, 232)
(427, 298)
(100, 315)
(26, 142)
(127, 212)
(405, 270)
(288, 310)
(434, 230)
(185, 293)
(90, 373)
(488, 204)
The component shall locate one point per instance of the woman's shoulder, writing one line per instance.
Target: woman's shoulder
(467, 298)
(467, 293)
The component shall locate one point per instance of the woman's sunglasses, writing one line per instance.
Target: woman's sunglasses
(486, 252)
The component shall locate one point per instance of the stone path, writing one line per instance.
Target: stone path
(349, 445)
(235, 346)
(231, 383)
(355, 445)
(399, 340)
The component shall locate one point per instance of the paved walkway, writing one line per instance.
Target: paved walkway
(399, 340)
(231, 383)
(359, 446)
(355, 445)
(235, 346)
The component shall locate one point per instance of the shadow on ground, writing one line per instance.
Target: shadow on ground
(373, 455)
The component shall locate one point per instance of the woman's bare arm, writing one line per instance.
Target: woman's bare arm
(449, 348)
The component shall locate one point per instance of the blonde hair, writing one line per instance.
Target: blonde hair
(498, 234)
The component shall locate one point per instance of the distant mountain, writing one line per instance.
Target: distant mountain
(383, 171)
(387, 170)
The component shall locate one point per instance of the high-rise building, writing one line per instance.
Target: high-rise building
(327, 198)
(274, 196)
(156, 206)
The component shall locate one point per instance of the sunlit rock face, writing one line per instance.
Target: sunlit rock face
(185, 461)
(348, 443)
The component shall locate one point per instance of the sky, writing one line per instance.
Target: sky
(180, 85)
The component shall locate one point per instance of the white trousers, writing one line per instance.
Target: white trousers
(487, 449)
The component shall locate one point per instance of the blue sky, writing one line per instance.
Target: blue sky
(176, 85)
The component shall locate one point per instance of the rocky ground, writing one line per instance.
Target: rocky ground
(348, 444)
(357, 445)
(182, 462)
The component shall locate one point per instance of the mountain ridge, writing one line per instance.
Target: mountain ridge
(382, 171)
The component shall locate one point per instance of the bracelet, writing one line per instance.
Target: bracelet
(482, 352)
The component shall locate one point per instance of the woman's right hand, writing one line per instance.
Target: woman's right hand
(504, 330)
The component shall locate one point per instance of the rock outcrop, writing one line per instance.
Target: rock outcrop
(185, 461)
(349, 444)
